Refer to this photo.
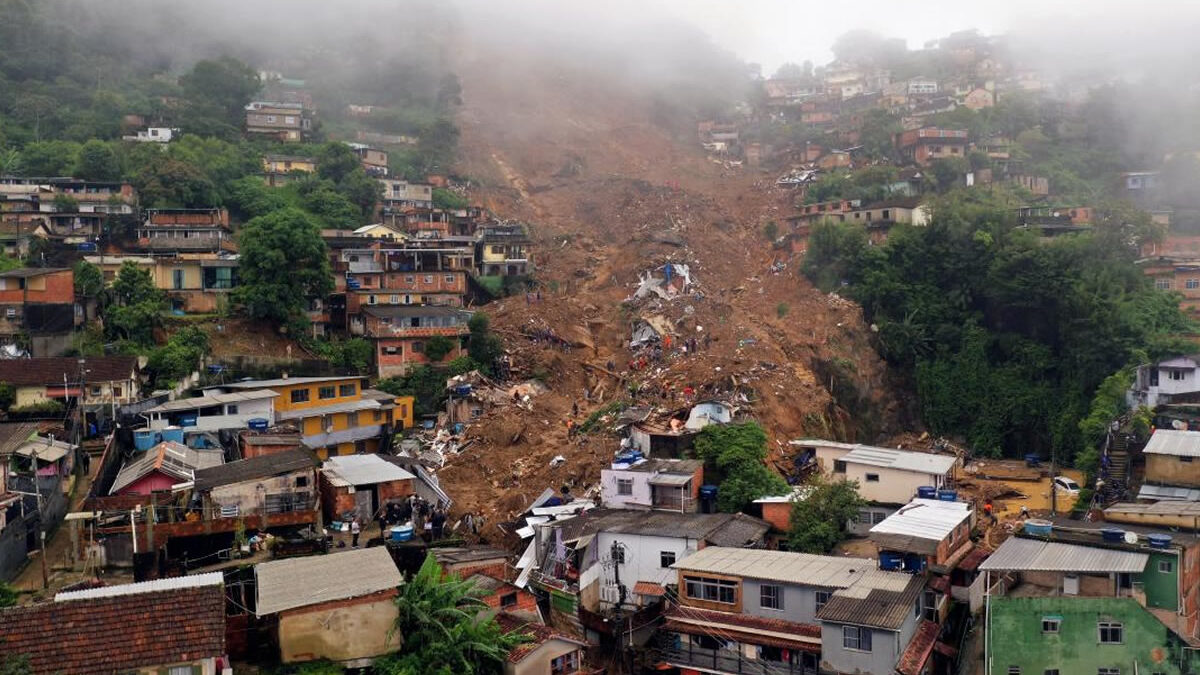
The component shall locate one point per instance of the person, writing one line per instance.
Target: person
(1024, 512)
(439, 522)
(987, 510)
(355, 530)
(575, 409)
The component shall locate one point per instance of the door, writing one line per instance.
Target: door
(1070, 584)
(364, 503)
(177, 279)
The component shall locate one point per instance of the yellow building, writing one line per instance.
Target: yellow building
(194, 282)
(335, 415)
(287, 163)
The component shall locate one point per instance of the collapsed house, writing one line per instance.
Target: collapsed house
(666, 281)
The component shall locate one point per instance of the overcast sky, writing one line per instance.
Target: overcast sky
(772, 32)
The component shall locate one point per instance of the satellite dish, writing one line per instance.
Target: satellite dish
(1131, 538)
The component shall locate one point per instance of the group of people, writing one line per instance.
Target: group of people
(428, 520)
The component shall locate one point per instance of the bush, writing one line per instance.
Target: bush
(39, 409)
(437, 347)
(781, 309)
(771, 230)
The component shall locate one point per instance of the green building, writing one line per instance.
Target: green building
(1060, 635)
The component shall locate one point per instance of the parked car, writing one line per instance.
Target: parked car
(1066, 485)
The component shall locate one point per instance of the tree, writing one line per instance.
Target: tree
(437, 347)
(224, 84)
(8, 396)
(947, 172)
(284, 263)
(736, 453)
(137, 306)
(97, 161)
(8, 594)
(818, 520)
(179, 357)
(449, 199)
(15, 665)
(89, 281)
(337, 164)
(485, 348)
(443, 629)
(169, 182)
(48, 158)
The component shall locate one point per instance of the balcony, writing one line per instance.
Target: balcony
(729, 661)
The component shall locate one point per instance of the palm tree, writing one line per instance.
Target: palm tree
(441, 631)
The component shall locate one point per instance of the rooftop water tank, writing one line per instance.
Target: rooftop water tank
(258, 424)
(173, 434)
(144, 439)
(1113, 534)
(948, 495)
(927, 492)
(1159, 540)
(890, 561)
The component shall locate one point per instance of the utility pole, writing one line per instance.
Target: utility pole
(37, 489)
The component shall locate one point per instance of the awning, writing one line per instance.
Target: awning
(671, 479)
(63, 392)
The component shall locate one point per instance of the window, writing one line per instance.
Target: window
(270, 119)
(770, 596)
(10, 313)
(391, 351)
(886, 214)
(395, 299)
(1165, 566)
(370, 299)
(822, 598)
(116, 392)
(1014, 670)
(856, 638)
(300, 395)
(565, 664)
(408, 278)
(497, 250)
(872, 478)
(625, 486)
(1185, 459)
(1051, 624)
(1176, 375)
(1191, 284)
(449, 278)
(418, 347)
(327, 392)
(351, 419)
(181, 670)
(666, 558)
(231, 409)
(619, 555)
(711, 590)
(347, 389)
(1108, 671)
(1050, 671)
(429, 278)
(288, 119)
(1111, 633)
(508, 600)
(377, 416)
(839, 466)
(95, 391)
(1162, 284)
(301, 481)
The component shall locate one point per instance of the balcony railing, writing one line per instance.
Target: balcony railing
(728, 661)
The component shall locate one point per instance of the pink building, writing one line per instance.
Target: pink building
(163, 467)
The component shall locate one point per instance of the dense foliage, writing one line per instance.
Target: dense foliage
(284, 262)
(443, 629)
(1005, 337)
(734, 456)
(818, 520)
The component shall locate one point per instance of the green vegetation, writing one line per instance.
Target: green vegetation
(1006, 338)
(135, 306)
(15, 665)
(8, 595)
(351, 356)
(734, 456)
(448, 199)
(178, 358)
(437, 347)
(284, 262)
(41, 409)
(442, 630)
(485, 346)
(818, 521)
(427, 384)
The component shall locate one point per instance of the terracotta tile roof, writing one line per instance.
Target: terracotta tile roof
(649, 588)
(745, 628)
(50, 371)
(122, 633)
(541, 635)
(919, 648)
(971, 562)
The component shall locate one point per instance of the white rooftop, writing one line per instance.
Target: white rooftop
(798, 494)
(170, 584)
(350, 470)
(798, 568)
(1174, 442)
(925, 519)
(901, 460)
(213, 399)
(301, 582)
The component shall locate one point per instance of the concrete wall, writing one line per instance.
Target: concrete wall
(1016, 631)
(893, 487)
(248, 497)
(640, 498)
(246, 411)
(643, 559)
(1171, 470)
(886, 648)
(799, 602)
(339, 631)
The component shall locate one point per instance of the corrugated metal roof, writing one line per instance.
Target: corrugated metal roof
(301, 582)
(1162, 508)
(362, 470)
(1174, 442)
(1034, 555)
(45, 449)
(283, 382)
(349, 406)
(213, 399)
(879, 600)
(169, 584)
(1169, 493)
(671, 479)
(925, 518)
(902, 460)
(797, 568)
(174, 459)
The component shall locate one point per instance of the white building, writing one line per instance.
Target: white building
(153, 135)
(666, 484)
(922, 86)
(884, 475)
(1158, 383)
(402, 193)
(213, 412)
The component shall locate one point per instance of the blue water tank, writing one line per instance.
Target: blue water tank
(1113, 534)
(462, 390)
(1159, 540)
(1038, 527)
(144, 439)
(927, 492)
(948, 495)
(402, 533)
(216, 368)
(1033, 460)
(890, 561)
(914, 562)
(628, 457)
(708, 491)
(258, 424)
(187, 420)
(87, 247)
(172, 434)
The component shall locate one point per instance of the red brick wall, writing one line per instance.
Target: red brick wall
(778, 515)
(60, 289)
(250, 449)
(525, 600)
